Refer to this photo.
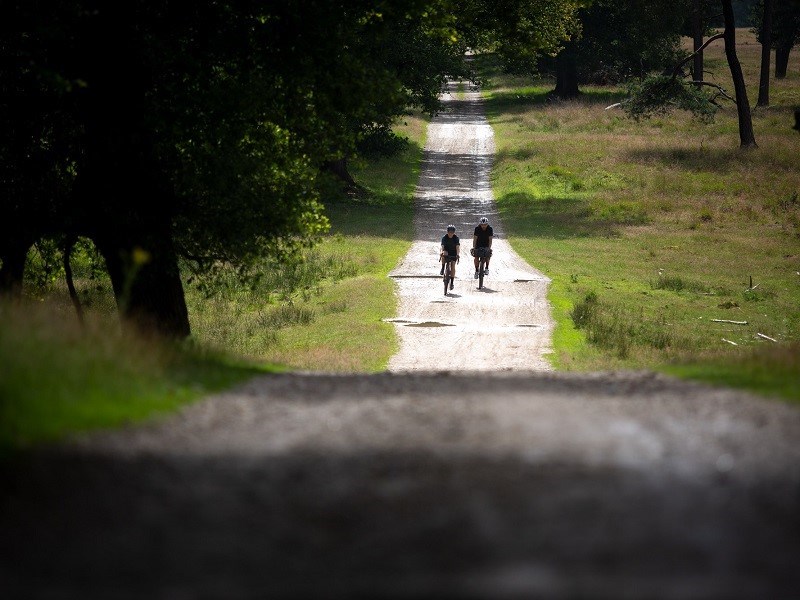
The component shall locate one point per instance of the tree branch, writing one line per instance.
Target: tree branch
(677, 68)
(721, 91)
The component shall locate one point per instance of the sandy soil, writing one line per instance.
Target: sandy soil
(504, 326)
(502, 483)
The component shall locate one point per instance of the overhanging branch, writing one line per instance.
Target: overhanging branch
(677, 68)
(721, 91)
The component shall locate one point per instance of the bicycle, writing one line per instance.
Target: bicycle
(483, 254)
(448, 271)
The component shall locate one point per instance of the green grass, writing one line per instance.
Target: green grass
(333, 320)
(660, 224)
(57, 379)
(772, 371)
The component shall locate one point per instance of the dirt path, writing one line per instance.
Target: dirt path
(422, 484)
(504, 326)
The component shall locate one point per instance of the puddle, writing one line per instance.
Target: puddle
(410, 323)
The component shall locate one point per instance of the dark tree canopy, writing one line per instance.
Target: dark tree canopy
(616, 41)
(785, 30)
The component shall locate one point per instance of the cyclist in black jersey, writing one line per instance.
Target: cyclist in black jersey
(482, 238)
(451, 247)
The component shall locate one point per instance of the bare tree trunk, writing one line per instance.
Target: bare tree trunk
(147, 285)
(567, 73)
(766, 50)
(12, 271)
(73, 295)
(747, 138)
(781, 61)
(697, 34)
(126, 201)
(339, 168)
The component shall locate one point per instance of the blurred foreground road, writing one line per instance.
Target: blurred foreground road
(422, 485)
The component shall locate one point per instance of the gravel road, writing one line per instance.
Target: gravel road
(509, 483)
(506, 325)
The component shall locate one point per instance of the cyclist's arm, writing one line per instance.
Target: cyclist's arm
(474, 240)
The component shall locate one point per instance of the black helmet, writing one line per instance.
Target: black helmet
(451, 228)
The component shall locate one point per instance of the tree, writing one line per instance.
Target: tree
(617, 41)
(519, 31)
(746, 135)
(663, 93)
(766, 49)
(697, 39)
(700, 15)
(784, 33)
(197, 133)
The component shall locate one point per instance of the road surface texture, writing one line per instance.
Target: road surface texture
(504, 326)
(502, 483)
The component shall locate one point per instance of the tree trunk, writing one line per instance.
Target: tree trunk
(697, 34)
(747, 138)
(69, 244)
(766, 50)
(339, 168)
(567, 73)
(125, 203)
(14, 253)
(781, 61)
(146, 281)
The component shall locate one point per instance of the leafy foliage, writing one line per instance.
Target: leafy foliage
(785, 23)
(660, 95)
(520, 31)
(627, 39)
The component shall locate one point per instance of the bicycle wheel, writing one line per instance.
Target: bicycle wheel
(480, 273)
(446, 276)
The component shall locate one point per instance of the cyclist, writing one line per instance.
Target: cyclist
(482, 238)
(450, 250)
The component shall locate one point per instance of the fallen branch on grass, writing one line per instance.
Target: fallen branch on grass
(766, 337)
(730, 342)
(727, 321)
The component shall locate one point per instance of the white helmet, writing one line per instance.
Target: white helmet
(484, 221)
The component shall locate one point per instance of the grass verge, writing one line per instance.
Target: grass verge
(652, 231)
(334, 323)
(56, 378)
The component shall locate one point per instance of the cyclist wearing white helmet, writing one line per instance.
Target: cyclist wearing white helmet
(450, 250)
(482, 238)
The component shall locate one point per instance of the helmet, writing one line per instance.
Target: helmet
(484, 221)
(451, 228)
